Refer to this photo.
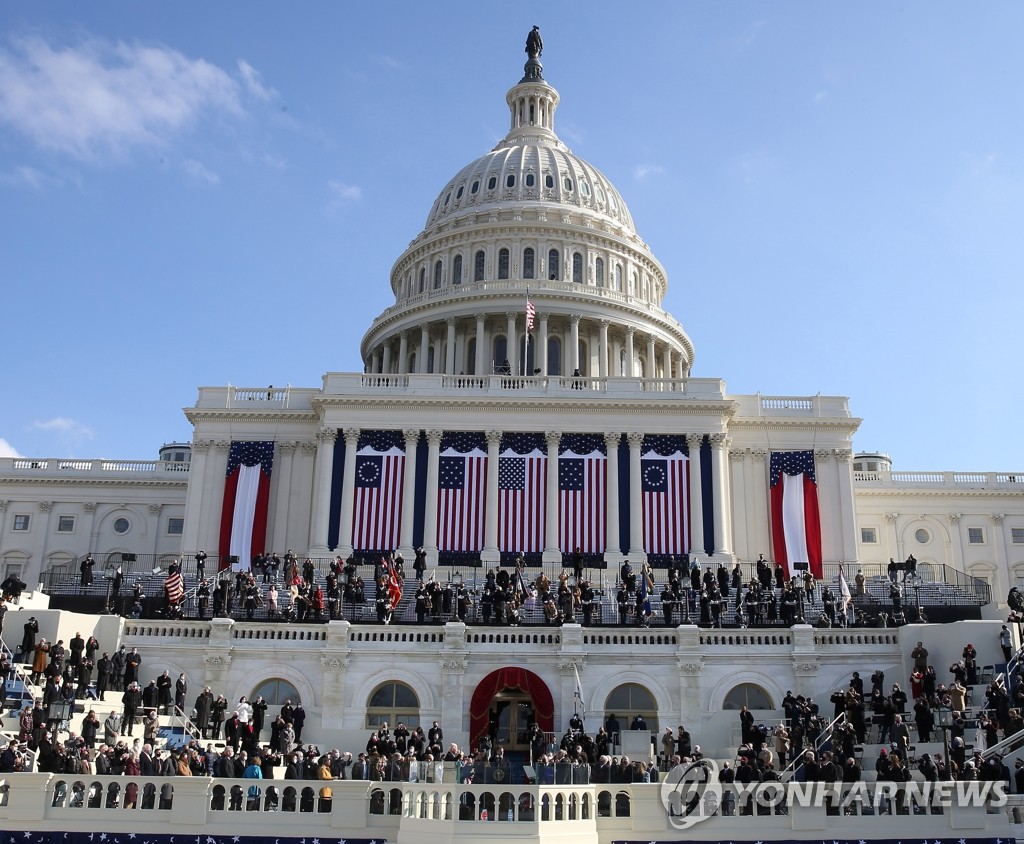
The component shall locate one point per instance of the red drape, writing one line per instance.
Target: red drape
(511, 677)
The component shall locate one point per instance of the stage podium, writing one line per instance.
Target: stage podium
(636, 744)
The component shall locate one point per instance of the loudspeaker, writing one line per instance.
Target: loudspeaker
(231, 561)
(127, 558)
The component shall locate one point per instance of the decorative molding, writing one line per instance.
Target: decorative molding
(759, 454)
(805, 668)
(690, 666)
(453, 665)
(155, 509)
(737, 454)
(412, 436)
(4, 503)
(287, 446)
(953, 518)
(351, 436)
(718, 441)
(45, 506)
(89, 506)
(997, 518)
(222, 445)
(694, 441)
(434, 436)
(308, 446)
(201, 445)
(217, 660)
(844, 455)
(569, 665)
(612, 438)
(891, 517)
(635, 439)
(493, 438)
(553, 438)
(823, 454)
(327, 435)
(334, 664)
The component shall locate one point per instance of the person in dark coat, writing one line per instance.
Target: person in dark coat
(28, 641)
(164, 685)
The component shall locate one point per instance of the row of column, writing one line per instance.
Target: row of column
(490, 553)
(673, 365)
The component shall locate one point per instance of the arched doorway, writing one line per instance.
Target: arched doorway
(507, 700)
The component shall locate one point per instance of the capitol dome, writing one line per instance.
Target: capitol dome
(529, 218)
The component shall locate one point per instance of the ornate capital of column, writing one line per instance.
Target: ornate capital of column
(718, 441)
(3, 505)
(351, 436)
(511, 316)
(844, 455)
(953, 518)
(222, 445)
(434, 436)
(45, 506)
(89, 506)
(737, 454)
(287, 446)
(201, 445)
(612, 438)
(450, 322)
(575, 318)
(635, 439)
(308, 446)
(155, 509)
(759, 454)
(403, 334)
(553, 438)
(630, 331)
(822, 454)
(480, 317)
(694, 441)
(998, 517)
(604, 323)
(412, 436)
(493, 438)
(891, 517)
(327, 435)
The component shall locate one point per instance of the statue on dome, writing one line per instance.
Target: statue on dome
(534, 43)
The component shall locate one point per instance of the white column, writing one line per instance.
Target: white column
(412, 438)
(666, 361)
(430, 505)
(511, 344)
(385, 366)
(613, 552)
(694, 441)
(602, 364)
(449, 357)
(375, 362)
(403, 353)
(282, 493)
(574, 341)
(216, 472)
(348, 491)
(552, 553)
(490, 553)
(651, 368)
(844, 466)
(421, 362)
(629, 373)
(760, 542)
(541, 355)
(739, 483)
(195, 505)
(719, 493)
(636, 515)
(481, 345)
(317, 544)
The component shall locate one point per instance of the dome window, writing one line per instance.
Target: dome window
(492, 183)
(549, 181)
(478, 266)
(437, 275)
(448, 198)
(503, 263)
(423, 279)
(530, 180)
(611, 202)
(510, 180)
(599, 272)
(585, 188)
(528, 262)
(457, 270)
(459, 192)
(600, 193)
(577, 268)
(567, 182)
(475, 186)
(553, 265)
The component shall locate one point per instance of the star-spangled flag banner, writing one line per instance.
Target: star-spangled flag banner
(243, 520)
(379, 481)
(664, 475)
(582, 473)
(522, 485)
(461, 491)
(796, 526)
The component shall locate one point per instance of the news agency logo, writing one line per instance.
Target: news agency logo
(691, 793)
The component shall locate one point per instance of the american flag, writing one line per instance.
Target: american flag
(796, 525)
(461, 491)
(663, 483)
(582, 467)
(522, 484)
(243, 526)
(377, 509)
(531, 312)
(174, 586)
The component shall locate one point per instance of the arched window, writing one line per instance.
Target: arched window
(478, 266)
(748, 695)
(503, 263)
(599, 272)
(430, 358)
(618, 278)
(492, 183)
(275, 692)
(628, 701)
(549, 181)
(437, 275)
(393, 702)
(584, 357)
(554, 356)
(457, 270)
(529, 180)
(510, 180)
(500, 351)
(423, 279)
(577, 268)
(553, 264)
(470, 367)
(528, 262)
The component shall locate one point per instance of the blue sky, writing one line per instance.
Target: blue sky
(204, 193)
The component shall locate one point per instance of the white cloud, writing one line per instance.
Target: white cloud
(389, 62)
(7, 450)
(252, 79)
(98, 98)
(342, 194)
(199, 174)
(642, 171)
(28, 177)
(68, 432)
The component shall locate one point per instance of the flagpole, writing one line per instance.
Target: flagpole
(526, 338)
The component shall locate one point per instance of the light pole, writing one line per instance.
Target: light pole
(944, 721)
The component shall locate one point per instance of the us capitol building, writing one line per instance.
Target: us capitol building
(526, 395)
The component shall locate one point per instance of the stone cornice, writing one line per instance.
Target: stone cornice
(904, 492)
(195, 415)
(121, 482)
